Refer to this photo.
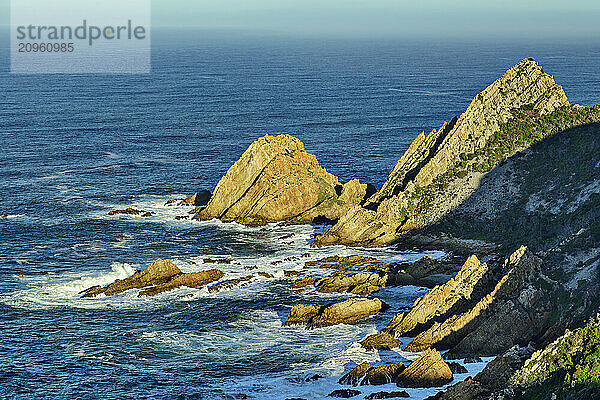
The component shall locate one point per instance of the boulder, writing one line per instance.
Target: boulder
(429, 370)
(307, 281)
(362, 283)
(346, 312)
(160, 276)
(277, 180)
(441, 300)
(380, 341)
(301, 314)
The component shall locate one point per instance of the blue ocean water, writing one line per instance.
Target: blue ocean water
(76, 146)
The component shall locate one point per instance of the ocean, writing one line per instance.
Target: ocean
(77, 146)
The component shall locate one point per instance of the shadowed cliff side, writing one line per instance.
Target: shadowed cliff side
(415, 193)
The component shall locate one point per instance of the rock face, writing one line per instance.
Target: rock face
(429, 370)
(346, 312)
(277, 180)
(197, 199)
(432, 160)
(514, 312)
(160, 276)
(441, 300)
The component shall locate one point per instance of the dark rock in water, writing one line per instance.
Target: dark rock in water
(344, 393)
(170, 202)
(387, 395)
(265, 275)
(4, 216)
(197, 199)
(380, 341)
(383, 374)
(228, 284)
(313, 378)
(472, 360)
(355, 376)
(362, 284)
(130, 211)
(429, 370)
(456, 368)
(288, 273)
(250, 267)
(180, 217)
(160, 276)
(217, 261)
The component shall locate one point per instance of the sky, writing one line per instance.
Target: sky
(381, 18)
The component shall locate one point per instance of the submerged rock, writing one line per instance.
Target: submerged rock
(301, 314)
(160, 276)
(380, 341)
(344, 393)
(387, 395)
(429, 370)
(277, 180)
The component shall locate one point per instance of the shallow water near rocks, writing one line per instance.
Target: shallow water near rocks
(76, 147)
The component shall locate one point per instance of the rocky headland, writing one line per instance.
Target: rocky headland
(511, 188)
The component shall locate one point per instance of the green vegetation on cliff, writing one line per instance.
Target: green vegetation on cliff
(569, 367)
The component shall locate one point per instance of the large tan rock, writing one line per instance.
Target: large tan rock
(391, 211)
(429, 370)
(158, 277)
(277, 180)
(380, 341)
(440, 300)
(347, 312)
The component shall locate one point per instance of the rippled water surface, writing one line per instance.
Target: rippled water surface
(76, 147)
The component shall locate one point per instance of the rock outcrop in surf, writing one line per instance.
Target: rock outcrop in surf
(275, 180)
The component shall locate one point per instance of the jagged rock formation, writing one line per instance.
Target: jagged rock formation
(277, 180)
(362, 283)
(159, 277)
(514, 312)
(345, 312)
(441, 300)
(411, 196)
(355, 376)
(429, 370)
